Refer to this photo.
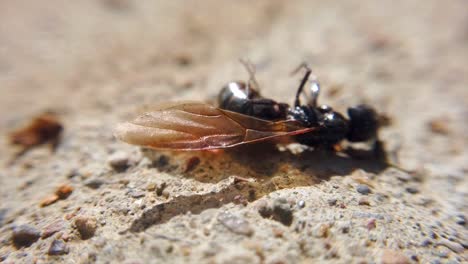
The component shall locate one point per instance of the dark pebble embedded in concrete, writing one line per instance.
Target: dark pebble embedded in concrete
(282, 211)
(426, 243)
(119, 161)
(3, 257)
(460, 219)
(412, 190)
(162, 161)
(25, 235)
(58, 247)
(332, 201)
(264, 209)
(94, 183)
(363, 189)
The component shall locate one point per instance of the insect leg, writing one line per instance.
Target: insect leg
(303, 81)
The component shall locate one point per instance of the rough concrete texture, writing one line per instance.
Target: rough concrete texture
(97, 63)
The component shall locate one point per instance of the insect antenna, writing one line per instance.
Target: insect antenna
(250, 68)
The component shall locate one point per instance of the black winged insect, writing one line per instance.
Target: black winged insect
(244, 116)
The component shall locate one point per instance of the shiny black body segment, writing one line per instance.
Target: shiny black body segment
(239, 97)
(331, 126)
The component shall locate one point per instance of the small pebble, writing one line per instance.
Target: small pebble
(166, 193)
(58, 247)
(118, 161)
(151, 187)
(301, 204)
(235, 224)
(364, 201)
(136, 193)
(412, 190)
(94, 183)
(124, 182)
(460, 219)
(162, 161)
(394, 257)
(363, 189)
(160, 188)
(282, 211)
(3, 256)
(86, 226)
(426, 242)
(64, 191)
(345, 228)
(72, 173)
(321, 230)
(264, 209)
(53, 228)
(332, 201)
(25, 235)
(371, 224)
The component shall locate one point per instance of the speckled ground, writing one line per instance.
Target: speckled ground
(97, 63)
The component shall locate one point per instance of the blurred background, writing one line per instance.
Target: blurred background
(107, 58)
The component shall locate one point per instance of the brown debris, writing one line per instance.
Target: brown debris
(45, 128)
(439, 126)
(49, 200)
(334, 90)
(183, 60)
(192, 163)
(62, 192)
(384, 120)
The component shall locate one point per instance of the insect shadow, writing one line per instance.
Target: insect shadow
(270, 168)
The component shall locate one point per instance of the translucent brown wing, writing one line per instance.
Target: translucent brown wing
(199, 126)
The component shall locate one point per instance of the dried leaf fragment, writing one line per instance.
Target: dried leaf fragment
(45, 128)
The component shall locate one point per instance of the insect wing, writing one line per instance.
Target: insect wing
(198, 126)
